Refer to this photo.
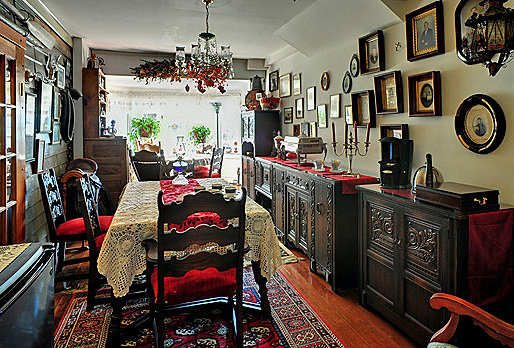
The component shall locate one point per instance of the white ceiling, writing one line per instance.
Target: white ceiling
(253, 28)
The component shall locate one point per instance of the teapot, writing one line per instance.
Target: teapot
(427, 175)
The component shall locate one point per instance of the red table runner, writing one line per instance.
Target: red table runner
(349, 183)
(172, 192)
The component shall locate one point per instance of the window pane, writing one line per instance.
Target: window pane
(8, 131)
(7, 82)
(9, 176)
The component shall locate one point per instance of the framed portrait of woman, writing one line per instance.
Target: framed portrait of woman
(425, 94)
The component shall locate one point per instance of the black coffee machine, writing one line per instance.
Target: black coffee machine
(396, 163)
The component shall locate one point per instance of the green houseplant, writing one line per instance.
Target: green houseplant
(144, 127)
(199, 134)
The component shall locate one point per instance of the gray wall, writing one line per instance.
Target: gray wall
(435, 135)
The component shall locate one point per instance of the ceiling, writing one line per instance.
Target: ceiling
(253, 28)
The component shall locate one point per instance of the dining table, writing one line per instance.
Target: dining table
(122, 256)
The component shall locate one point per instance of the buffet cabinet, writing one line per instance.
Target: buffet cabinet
(310, 213)
(248, 176)
(408, 251)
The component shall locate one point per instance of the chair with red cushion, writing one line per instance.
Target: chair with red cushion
(61, 230)
(214, 171)
(199, 261)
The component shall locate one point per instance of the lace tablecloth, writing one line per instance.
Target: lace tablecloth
(122, 256)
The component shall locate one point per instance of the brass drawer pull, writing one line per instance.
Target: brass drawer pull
(481, 202)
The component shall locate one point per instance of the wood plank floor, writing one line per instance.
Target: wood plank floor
(356, 326)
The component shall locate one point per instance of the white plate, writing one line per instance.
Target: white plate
(318, 170)
(336, 171)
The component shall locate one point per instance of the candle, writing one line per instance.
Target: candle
(355, 130)
(367, 134)
(345, 134)
(333, 132)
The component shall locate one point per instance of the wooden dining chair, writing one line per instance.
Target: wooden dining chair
(214, 171)
(61, 230)
(199, 256)
(148, 165)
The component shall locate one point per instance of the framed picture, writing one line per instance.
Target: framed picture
(348, 114)
(322, 116)
(313, 129)
(40, 156)
(325, 81)
(425, 31)
(296, 130)
(56, 113)
(464, 35)
(30, 125)
(400, 131)
(480, 124)
(273, 80)
(425, 94)
(297, 84)
(45, 107)
(311, 98)
(56, 136)
(299, 107)
(371, 53)
(335, 105)
(354, 65)
(61, 76)
(288, 115)
(285, 85)
(305, 128)
(388, 93)
(363, 108)
(347, 83)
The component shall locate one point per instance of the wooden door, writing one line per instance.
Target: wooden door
(322, 258)
(303, 223)
(12, 133)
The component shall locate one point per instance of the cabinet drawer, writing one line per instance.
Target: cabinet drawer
(297, 180)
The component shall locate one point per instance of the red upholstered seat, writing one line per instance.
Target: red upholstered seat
(202, 218)
(76, 226)
(196, 285)
(100, 240)
(203, 172)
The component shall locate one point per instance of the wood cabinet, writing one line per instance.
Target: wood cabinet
(248, 177)
(257, 129)
(278, 177)
(408, 251)
(95, 102)
(298, 210)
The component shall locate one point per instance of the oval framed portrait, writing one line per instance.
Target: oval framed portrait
(347, 83)
(480, 124)
(325, 81)
(354, 66)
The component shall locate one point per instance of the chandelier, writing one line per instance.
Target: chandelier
(207, 67)
(493, 35)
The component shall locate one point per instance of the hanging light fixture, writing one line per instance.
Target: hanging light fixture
(493, 35)
(206, 66)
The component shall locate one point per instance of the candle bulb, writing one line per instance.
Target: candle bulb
(367, 134)
(345, 134)
(355, 131)
(333, 132)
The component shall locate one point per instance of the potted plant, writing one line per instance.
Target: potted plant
(199, 134)
(144, 127)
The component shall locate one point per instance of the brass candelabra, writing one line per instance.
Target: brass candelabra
(351, 149)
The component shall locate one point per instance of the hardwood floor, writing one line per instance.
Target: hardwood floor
(356, 326)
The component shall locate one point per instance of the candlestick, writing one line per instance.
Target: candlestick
(355, 131)
(351, 148)
(367, 134)
(333, 132)
(345, 134)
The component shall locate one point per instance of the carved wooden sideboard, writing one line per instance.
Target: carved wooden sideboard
(407, 251)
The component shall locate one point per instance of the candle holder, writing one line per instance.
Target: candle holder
(351, 149)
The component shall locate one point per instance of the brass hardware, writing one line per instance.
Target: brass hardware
(481, 202)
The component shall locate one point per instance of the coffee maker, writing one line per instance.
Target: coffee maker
(396, 162)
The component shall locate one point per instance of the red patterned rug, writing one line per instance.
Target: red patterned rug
(295, 324)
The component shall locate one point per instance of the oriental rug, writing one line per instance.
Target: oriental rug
(294, 323)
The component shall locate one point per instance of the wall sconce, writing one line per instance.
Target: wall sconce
(492, 36)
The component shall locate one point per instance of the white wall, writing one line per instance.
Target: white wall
(433, 135)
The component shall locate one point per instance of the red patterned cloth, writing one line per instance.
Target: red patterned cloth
(490, 257)
(349, 183)
(172, 192)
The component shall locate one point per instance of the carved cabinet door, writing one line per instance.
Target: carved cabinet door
(322, 229)
(303, 223)
(244, 176)
(251, 177)
(277, 192)
(291, 216)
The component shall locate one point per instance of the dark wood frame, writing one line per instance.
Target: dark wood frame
(290, 110)
(313, 88)
(338, 95)
(458, 32)
(386, 130)
(299, 82)
(380, 92)
(348, 76)
(436, 9)
(318, 116)
(325, 86)
(371, 106)
(281, 93)
(273, 76)
(296, 130)
(30, 119)
(299, 100)
(435, 77)
(496, 113)
(356, 59)
(363, 52)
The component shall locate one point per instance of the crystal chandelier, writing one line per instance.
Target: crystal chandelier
(207, 67)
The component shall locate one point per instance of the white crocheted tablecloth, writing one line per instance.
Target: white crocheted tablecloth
(122, 256)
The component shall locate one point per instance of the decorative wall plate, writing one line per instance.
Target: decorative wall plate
(480, 124)
(354, 66)
(325, 81)
(347, 83)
